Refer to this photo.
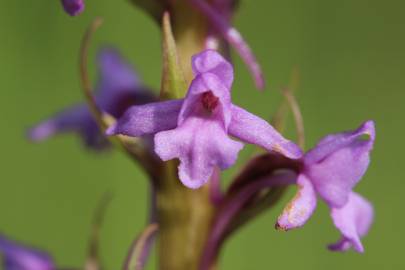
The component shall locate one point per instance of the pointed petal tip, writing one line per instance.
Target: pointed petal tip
(288, 149)
(112, 130)
(297, 212)
(280, 227)
(291, 150)
(41, 132)
(260, 82)
(368, 127)
(345, 244)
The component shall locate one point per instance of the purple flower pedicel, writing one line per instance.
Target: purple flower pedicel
(197, 129)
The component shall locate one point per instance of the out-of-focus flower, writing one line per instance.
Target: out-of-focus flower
(219, 14)
(221, 33)
(18, 257)
(331, 170)
(73, 7)
(197, 129)
(118, 88)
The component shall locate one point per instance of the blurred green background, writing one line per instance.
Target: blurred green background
(351, 57)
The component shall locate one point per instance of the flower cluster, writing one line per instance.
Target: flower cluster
(197, 129)
(205, 131)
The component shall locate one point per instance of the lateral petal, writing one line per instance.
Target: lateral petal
(252, 129)
(147, 119)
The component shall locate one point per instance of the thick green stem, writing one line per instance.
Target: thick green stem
(184, 215)
(190, 31)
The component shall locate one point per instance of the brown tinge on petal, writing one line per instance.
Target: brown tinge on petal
(293, 214)
(278, 149)
(280, 228)
(289, 211)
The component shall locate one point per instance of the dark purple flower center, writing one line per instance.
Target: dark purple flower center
(209, 101)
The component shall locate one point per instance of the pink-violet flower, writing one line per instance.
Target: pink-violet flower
(18, 257)
(331, 170)
(198, 129)
(118, 88)
(73, 7)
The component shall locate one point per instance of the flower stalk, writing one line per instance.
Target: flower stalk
(185, 136)
(184, 215)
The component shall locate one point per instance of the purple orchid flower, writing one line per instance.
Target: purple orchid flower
(197, 129)
(331, 170)
(18, 257)
(73, 7)
(118, 88)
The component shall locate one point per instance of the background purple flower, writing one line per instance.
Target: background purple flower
(117, 89)
(73, 7)
(19, 257)
(219, 14)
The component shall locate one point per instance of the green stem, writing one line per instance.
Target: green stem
(184, 215)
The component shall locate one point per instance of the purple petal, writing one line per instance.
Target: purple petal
(345, 158)
(353, 221)
(147, 119)
(334, 142)
(118, 89)
(203, 83)
(252, 129)
(234, 38)
(71, 119)
(212, 62)
(300, 208)
(17, 257)
(73, 7)
(200, 144)
(119, 86)
(75, 119)
(116, 74)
